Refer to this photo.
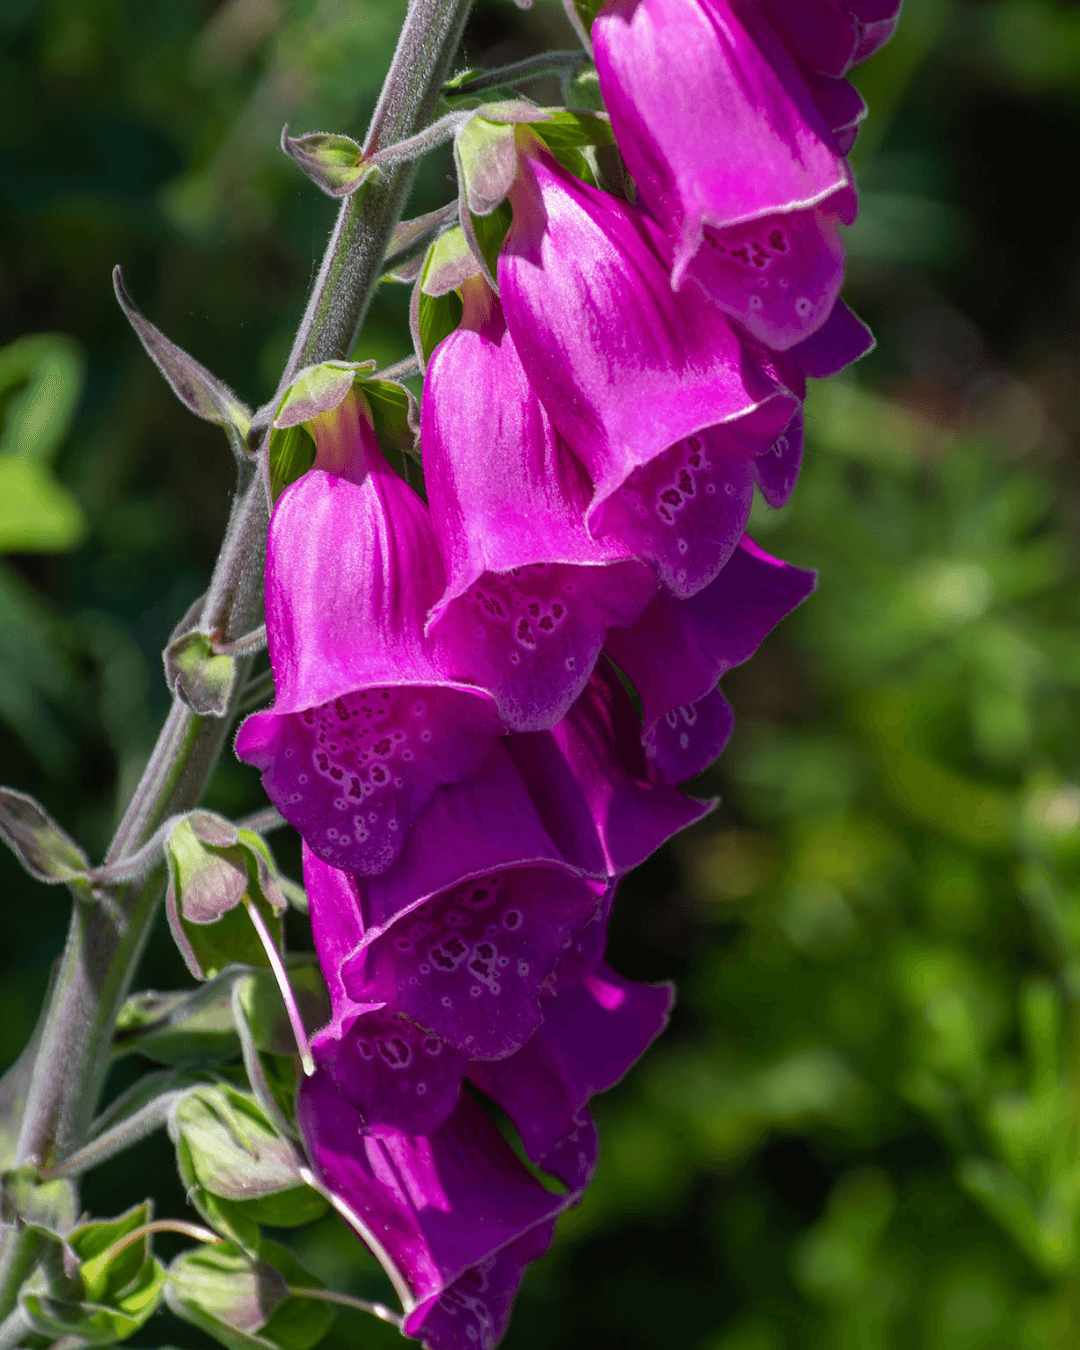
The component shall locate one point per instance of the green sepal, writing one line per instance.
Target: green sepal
(569, 127)
(185, 1028)
(587, 10)
(233, 1163)
(52, 1205)
(98, 1324)
(199, 391)
(292, 453)
(394, 414)
(584, 90)
(333, 162)
(260, 999)
(111, 1295)
(436, 309)
(488, 234)
(43, 847)
(320, 389)
(215, 872)
(202, 677)
(486, 157)
(243, 1299)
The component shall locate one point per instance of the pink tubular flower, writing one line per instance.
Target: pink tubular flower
(733, 157)
(657, 394)
(452, 1213)
(368, 721)
(529, 593)
(678, 649)
(496, 882)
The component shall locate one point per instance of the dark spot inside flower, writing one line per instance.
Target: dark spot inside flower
(777, 241)
(337, 774)
(382, 747)
(671, 497)
(558, 610)
(534, 609)
(379, 775)
(686, 483)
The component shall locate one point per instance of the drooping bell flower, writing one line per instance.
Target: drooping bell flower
(831, 36)
(591, 1034)
(731, 155)
(656, 392)
(530, 594)
(499, 882)
(678, 649)
(842, 339)
(452, 1215)
(368, 721)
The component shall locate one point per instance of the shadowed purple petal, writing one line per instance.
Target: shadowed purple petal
(779, 275)
(591, 1034)
(685, 511)
(842, 339)
(687, 739)
(821, 34)
(734, 137)
(625, 368)
(777, 470)
(470, 963)
(366, 724)
(589, 781)
(678, 649)
(437, 1206)
(401, 1078)
(842, 108)
(530, 594)
(472, 1314)
(338, 929)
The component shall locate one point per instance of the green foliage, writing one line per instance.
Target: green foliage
(247, 1303)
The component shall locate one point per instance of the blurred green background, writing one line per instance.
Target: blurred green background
(863, 1127)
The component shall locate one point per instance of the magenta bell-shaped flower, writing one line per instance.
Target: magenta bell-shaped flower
(733, 157)
(530, 594)
(451, 1214)
(678, 649)
(368, 720)
(480, 918)
(658, 395)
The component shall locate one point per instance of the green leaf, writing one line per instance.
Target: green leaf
(394, 414)
(45, 850)
(292, 453)
(260, 999)
(119, 1291)
(214, 874)
(587, 11)
(489, 232)
(188, 1027)
(244, 1301)
(198, 390)
(37, 514)
(104, 1281)
(334, 163)
(435, 317)
(195, 672)
(98, 1324)
(568, 128)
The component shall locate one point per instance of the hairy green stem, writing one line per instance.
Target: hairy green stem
(105, 940)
